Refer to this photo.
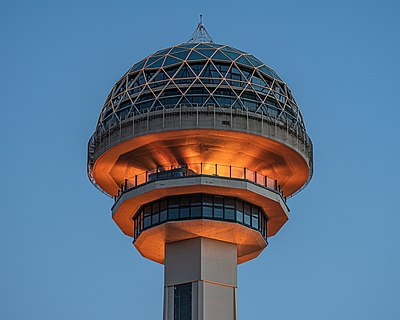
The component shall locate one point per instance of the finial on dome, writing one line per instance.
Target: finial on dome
(200, 34)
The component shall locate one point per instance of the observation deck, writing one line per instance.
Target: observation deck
(205, 119)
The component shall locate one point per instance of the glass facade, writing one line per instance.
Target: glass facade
(200, 74)
(200, 206)
(183, 302)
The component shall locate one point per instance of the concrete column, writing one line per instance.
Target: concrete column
(211, 267)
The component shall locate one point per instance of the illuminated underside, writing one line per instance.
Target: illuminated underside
(179, 147)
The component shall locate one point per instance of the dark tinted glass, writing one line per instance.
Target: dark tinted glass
(197, 206)
(183, 302)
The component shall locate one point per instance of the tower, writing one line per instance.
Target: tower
(200, 144)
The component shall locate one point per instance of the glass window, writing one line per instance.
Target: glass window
(239, 210)
(229, 214)
(184, 201)
(147, 222)
(207, 212)
(254, 217)
(155, 218)
(207, 200)
(147, 210)
(218, 212)
(184, 212)
(163, 205)
(218, 207)
(247, 213)
(195, 211)
(229, 202)
(195, 200)
(155, 208)
(197, 206)
(173, 203)
(183, 302)
(163, 215)
(173, 213)
(218, 201)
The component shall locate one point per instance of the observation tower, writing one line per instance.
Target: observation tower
(200, 144)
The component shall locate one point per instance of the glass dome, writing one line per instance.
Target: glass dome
(200, 74)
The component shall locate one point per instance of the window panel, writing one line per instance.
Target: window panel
(195, 212)
(184, 212)
(197, 206)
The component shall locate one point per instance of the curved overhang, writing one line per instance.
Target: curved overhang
(151, 242)
(267, 156)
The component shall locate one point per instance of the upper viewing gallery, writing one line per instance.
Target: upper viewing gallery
(194, 103)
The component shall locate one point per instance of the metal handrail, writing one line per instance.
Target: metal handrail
(197, 169)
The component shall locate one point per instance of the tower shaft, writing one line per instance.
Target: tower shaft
(200, 280)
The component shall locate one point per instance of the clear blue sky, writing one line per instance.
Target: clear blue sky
(62, 257)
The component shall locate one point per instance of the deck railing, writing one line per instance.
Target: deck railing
(195, 169)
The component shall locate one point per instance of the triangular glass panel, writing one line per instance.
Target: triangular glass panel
(267, 70)
(171, 71)
(160, 76)
(242, 60)
(184, 101)
(149, 75)
(212, 100)
(170, 61)
(173, 56)
(231, 54)
(257, 79)
(151, 60)
(202, 46)
(162, 52)
(138, 66)
(157, 104)
(156, 64)
(254, 61)
(177, 49)
(206, 52)
(218, 55)
(246, 73)
(139, 80)
(235, 50)
(195, 56)
(206, 72)
(181, 55)
(197, 67)
(197, 88)
(237, 104)
(185, 72)
(121, 86)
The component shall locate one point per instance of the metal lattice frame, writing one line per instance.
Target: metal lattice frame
(218, 71)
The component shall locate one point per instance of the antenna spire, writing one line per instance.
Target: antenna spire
(200, 34)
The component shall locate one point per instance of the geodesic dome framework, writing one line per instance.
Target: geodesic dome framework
(201, 74)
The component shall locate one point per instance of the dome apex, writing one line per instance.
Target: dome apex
(200, 34)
